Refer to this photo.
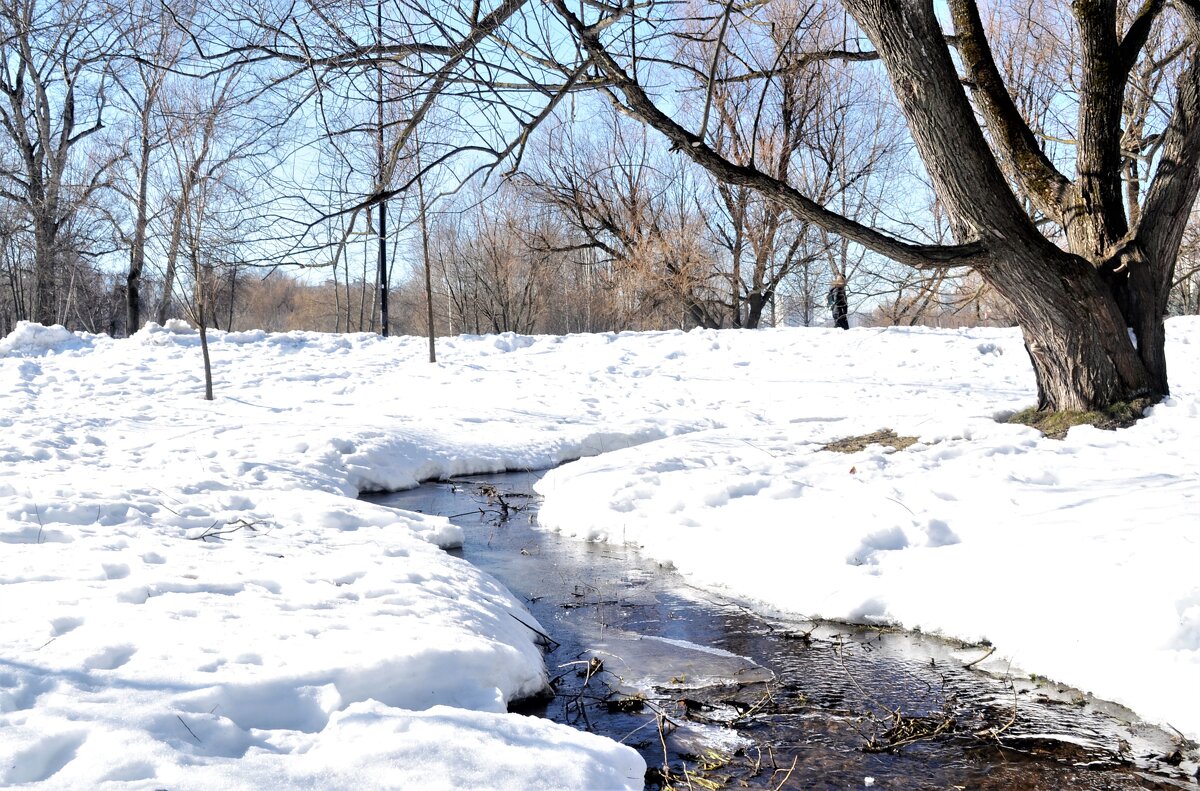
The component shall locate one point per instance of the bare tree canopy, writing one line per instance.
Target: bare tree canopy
(55, 76)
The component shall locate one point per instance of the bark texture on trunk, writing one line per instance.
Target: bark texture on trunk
(45, 281)
(133, 302)
(1074, 332)
(756, 302)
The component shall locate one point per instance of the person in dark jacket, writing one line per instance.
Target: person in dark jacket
(836, 301)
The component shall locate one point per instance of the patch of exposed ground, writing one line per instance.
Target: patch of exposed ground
(1055, 425)
(884, 436)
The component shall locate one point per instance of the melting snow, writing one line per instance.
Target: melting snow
(190, 597)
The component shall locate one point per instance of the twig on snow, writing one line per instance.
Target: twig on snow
(227, 528)
(189, 730)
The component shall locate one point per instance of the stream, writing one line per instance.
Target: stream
(715, 695)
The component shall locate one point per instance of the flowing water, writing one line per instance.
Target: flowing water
(716, 696)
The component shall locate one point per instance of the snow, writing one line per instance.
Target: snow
(191, 597)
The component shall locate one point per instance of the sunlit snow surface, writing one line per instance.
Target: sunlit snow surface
(190, 597)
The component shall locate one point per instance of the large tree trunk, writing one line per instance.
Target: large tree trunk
(45, 274)
(756, 301)
(133, 301)
(1077, 338)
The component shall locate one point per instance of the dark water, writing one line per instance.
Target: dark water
(716, 696)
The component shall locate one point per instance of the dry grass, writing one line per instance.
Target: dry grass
(1055, 425)
(885, 437)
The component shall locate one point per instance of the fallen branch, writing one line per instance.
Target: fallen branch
(226, 529)
(991, 650)
(549, 640)
(786, 775)
(995, 733)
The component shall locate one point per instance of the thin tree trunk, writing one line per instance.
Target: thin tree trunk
(362, 298)
(738, 247)
(428, 267)
(137, 251)
(349, 294)
(202, 320)
(208, 384)
(232, 295)
(337, 300)
(366, 267)
(172, 260)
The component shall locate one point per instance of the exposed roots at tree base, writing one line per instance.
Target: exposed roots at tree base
(1055, 425)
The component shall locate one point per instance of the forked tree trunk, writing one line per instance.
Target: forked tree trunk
(755, 303)
(1077, 338)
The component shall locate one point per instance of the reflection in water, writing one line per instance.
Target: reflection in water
(743, 700)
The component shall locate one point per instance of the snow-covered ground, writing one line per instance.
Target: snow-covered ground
(323, 642)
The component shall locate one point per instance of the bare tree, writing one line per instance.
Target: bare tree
(1076, 306)
(816, 126)
(632, 206)
(505, 271)
(14, 255)
(55, 74)
(153, 33)
(211, 131)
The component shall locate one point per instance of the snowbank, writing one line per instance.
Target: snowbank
(191, 598)
(1079, 559)
(35, 340)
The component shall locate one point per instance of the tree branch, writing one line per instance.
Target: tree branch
(1177, 177)
(639, 104)
(1038, 177)
(1138, 33)
(1101, 219)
